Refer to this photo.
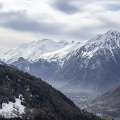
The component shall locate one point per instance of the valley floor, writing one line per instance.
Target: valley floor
(83, 100)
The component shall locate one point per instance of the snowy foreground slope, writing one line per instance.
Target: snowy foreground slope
(93, 64)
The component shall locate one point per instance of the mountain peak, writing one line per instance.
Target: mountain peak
(113, 32)
(62, 41)
(109, 40)
(111, 35)
(45, 40)
(2, 63)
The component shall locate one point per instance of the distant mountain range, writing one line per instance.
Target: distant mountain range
(33, 50)
(91, 65)
(25, 97)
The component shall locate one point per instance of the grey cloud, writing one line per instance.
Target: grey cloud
(83, 33)
(20, 22)
(107, 23)
(1, 5)
(89, 32)
(112, 7)
(65, 6)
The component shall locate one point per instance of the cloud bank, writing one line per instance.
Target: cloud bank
(57, 19)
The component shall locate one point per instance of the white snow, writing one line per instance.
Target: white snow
(63, 54)
(109, 41)
(50, 50)
(11, 109)
(32, 50)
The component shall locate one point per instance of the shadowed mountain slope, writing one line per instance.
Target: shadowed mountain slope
(39, 99)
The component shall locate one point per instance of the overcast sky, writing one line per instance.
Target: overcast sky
(22, 21)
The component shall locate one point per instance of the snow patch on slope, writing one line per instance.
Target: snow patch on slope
(11, 109)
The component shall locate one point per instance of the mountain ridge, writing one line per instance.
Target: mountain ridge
(33, 50)
(92, 64)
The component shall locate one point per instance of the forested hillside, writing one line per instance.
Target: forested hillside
(40, 100)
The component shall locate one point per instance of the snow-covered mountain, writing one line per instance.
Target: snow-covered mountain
(93, 64)
(1, 63)
(109, 40)
(33, 50)
(62, 55)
